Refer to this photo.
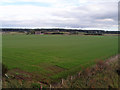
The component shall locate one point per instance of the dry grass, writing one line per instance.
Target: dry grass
(102, 75)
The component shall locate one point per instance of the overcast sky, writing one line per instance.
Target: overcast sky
(86, 14)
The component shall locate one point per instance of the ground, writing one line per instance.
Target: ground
(48, 58)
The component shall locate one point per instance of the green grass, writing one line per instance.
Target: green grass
(29, 52)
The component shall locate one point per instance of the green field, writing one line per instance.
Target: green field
(56, 56)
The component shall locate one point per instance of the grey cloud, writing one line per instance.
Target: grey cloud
(85, 16)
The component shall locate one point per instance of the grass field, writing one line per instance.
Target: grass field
(56, 56)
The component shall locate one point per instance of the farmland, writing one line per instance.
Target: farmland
(56, 56)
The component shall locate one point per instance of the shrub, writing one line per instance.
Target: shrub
(36, 85)
(4, 70)
(101, 65)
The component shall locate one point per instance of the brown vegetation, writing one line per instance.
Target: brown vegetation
(103, 75)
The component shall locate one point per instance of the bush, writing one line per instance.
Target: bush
(36, 85)
(32, 31)
(4, 70)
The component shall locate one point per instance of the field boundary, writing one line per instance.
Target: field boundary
(88, 72)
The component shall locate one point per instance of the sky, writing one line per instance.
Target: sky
(83, 14)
